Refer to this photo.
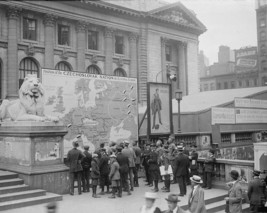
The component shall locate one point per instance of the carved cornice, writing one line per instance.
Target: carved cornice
(120, 62)
(50, 20)
(108, 33)
(13, 12)
(30, 51)
(94, 59)
(133, 37)
(64, 55)
(81, 26)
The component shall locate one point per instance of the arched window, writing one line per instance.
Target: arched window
(93, 69)
(27, 66)
(120, 72)
(63, 65)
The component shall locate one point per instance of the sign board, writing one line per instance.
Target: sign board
(244, 62)
(159, 105)
(101, 108)
(221, 115)
(251, 116)
(250, 103)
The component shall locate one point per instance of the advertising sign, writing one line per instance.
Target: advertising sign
(159, 105)
(251, 116)
(100, 108)
(221, 115)
(250, 103)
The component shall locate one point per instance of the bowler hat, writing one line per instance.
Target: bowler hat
(119, 148)
(151, 195)
(234, 174)
(51, 205)
(86, 147)
(180, 148)
(196, 179)
(256, 173)
(75, 143)
(211, 151)
(172, 198)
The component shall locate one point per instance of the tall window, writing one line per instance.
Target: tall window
(218, 86)
(225, 85)
(168, 52)
(119, 44)
(264, 65)
(29, 29)
(93, 69)
(63, 35)
(63, 65)
(232, 84)
(27, 66)
(92, 40)
(206, 87)
(212, 86)
(263, 49)
(262, 36)
(262, 23)
(255, 82)
(120, 72)
(247, 83)
(240, 83)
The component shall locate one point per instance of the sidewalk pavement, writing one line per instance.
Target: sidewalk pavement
(127, 204)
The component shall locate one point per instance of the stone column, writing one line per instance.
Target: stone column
(108, 34)
(49, 23)
(133, 55)
(12, 53)
(81, 28)
(163, 61)
(182, 79)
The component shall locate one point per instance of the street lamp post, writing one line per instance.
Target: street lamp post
(179, 97)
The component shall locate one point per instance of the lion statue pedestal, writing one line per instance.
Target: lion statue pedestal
(31, 142)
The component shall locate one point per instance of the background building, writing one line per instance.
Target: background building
(228, 74)
(99, 37)
(203, 63)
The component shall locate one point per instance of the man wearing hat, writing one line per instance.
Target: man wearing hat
(196, 203)
(74, 159)
(208, 169)
(235, 194)
(154, 167)
(114, 176)
(181, 168)
(173, 206)
(149, 206)
(193, 157)
(257, 193)
(86, 164)
(129, 152)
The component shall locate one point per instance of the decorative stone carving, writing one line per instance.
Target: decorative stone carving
(94, 59)
(30, 51)
(164, 40)
(50, 20)
(64, 55)
(13, 12)
(81, 26)
(133, 37)
(29, 106)
(108, 33)
(120, 62)
(182, 44)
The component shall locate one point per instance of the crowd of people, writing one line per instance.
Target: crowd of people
(116, 167)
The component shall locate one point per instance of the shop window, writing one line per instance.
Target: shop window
(27, 66)
(247, 83)
(218, 86)
(119, 44)
(232, 84)
(92, 40)
(64, 66)
(255, 82)
(206, 87)
(63, 35)
(93, 69)
(120, 72)
(29, 29)
(168, 52)
(240, 83)
(212, 86)
(225, 85)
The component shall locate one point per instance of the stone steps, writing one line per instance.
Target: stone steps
(15, 194)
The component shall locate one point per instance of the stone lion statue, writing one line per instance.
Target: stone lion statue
(29, 106)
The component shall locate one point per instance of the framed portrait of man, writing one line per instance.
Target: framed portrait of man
(159, 105)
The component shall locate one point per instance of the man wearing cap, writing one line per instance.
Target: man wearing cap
(74, 159)
(124, 170)
(95, 174)
(149, 206)
(173, 206)
(257, 193)
(196, 202)
(114, 176)
(181, 168)
(154, 167)
(208, 169)
(235, 194)
(86, 164)
(129, 152)
(193, 157)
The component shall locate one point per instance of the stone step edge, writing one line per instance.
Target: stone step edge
(21, 193)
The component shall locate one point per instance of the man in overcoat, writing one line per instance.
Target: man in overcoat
(74, 159)
(209, 169)
(154, 167)
(86, 164)
(193, 161)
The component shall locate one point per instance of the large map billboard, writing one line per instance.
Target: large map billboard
(100, 108)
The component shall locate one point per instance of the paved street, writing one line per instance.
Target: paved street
(126, 204)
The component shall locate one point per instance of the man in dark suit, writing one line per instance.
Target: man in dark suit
(124, 170)
(104, 171)
(256, 193)
(86, 164)
(154, 167)
(74, 159)
(138, 153)
(181, 168)
(193, 161)
(173, 206)
(145, 158)
(208, 169)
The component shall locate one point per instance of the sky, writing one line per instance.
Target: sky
(228, 22)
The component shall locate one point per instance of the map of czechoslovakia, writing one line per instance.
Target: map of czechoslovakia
(100, 108)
